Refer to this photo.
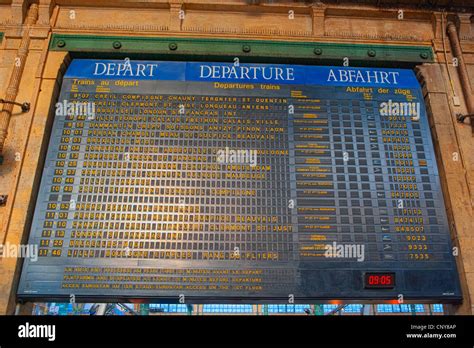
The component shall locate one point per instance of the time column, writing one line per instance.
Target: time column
(60, 204)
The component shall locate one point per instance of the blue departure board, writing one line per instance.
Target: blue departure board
(200, 182)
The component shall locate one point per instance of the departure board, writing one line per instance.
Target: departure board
(199, 182)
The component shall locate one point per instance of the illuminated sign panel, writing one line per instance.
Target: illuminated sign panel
(254, 182)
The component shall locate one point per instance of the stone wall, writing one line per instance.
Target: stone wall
(226, 19)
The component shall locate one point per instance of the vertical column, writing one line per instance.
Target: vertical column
(449, 141)
(465, 28)
(14, 83)
(176, 16)
(317, 14)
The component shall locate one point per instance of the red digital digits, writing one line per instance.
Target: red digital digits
(380, 280)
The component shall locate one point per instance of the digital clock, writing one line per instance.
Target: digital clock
(379, 280)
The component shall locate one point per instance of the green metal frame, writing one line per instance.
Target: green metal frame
(246, 50)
